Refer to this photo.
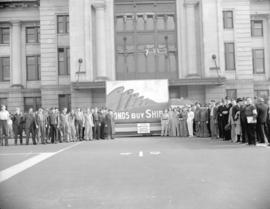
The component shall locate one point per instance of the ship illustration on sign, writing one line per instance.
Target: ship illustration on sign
(120, 99)
(137, 101)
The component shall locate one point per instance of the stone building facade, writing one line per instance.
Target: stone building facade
(56, 53)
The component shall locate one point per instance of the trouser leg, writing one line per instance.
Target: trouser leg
(15, 132)
(251, 129)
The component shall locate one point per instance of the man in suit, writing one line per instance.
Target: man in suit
(53, 122)
(17, 125)
(102, 123)
(30, 126)
(243, 121)
(220, 120)
(109, 124)
(197, 119)
(97, 124)
(251, 114)
(41, 125)
(261, 121)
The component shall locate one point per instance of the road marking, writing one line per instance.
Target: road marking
(155, 153)
(125, 153)
(141, 154)
(22, 153)
(18, 168)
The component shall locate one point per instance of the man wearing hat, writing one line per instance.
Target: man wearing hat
(261, 121)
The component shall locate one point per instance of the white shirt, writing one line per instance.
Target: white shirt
(4, 115)
(190, 116)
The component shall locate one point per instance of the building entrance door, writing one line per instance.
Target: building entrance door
(146, 44)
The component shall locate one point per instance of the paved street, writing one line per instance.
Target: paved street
(136, 173)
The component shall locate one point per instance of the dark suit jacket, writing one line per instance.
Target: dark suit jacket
(262, 113)
(30, 121)
(17, 120)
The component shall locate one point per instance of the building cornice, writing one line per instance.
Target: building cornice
(215, 81)
(12, 4)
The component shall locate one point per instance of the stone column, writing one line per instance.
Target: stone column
(191, 38)
(16, 73)
(100, 41)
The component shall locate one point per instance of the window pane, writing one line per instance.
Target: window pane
(30, 35)
(129, 23)
(170, 22)
(64, 101)
(37, 103)
(32, 69)
(119, 23)
(61, 62)
(61, 56)
(228, 19)
(257, 28)
(231, 93)
(38, 34)
(61, 27)
(140, 23)
(150, 22)
(160, 22)
(5, 35)
(68, 60)
(229, 56)
(31, 72)
(67, 24)
(258, 59)
(172, 62)
(28, 103)
(4, 101)
(6, 69)
(38, 66)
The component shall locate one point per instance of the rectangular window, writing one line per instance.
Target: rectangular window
(229, 56)
(231, 93)
(62, 24)
(32, 102)
(4, 68)
(258, 61)
(256, 28)
(4, 35)
(33, 68)
(32, 34)
(63, 61)
(262, 94)
(228, 19)
(64, 101)
(4, 101)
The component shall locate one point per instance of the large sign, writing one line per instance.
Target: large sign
(137, 101)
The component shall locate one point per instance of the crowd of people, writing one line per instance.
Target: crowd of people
(242, 120)
(54, 126)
